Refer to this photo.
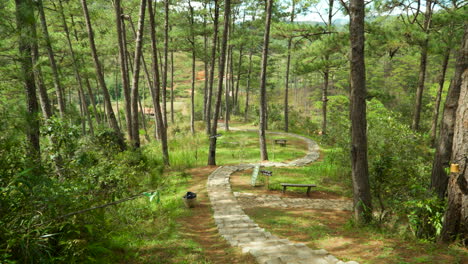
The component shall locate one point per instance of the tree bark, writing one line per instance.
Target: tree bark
(439, 177)
(25, 26)
(161, 129)
(435, 115)
(53, 64)
(247, 89)
(99, 74)
(136, 75)
(222, 60)
(192, 92)
(263, 99)
(360, 171)
(122, 42)
(172, 86)
(228, 86)
(166, 49)
(422, 66)
(326, 78)
(212, 70)
(456, 217)
(288, 63)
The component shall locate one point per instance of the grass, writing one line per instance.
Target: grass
(333, 231)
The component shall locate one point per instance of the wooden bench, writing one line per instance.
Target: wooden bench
(281, 142)
(309, 186)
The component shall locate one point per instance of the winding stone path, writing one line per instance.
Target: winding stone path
(239, 230)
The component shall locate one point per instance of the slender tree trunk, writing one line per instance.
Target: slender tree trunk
(263, 99)
(435, 115)
(360, 172)
(212, 71)
(53, 64)
(172, 86)
(25, 26)
(166, 50)
(143, 119)
(43, 97)
(422, 66)
(228, 87)
(239, 67)
(456, 216)
(439, 177)
(85, 110)
(205, 64)
(326, 77)
(288, 63)
(247, 89)
(192, 93)
(99, 74)
(222, 60)
(122, 42)
(157, 88)
(136, 75)
(92, 99)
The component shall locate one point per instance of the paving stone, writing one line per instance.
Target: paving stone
(239, 230)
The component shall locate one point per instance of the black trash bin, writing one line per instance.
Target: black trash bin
(190, 199)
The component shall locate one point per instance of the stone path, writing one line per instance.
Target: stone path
(239, 230)
(250, 200)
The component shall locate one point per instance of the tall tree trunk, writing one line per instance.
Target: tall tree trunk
(360, 171)
(456, 217)
(85, 109)
(172, 86)
(25, 26)
(53, 64)
(239, 70)
(435, 115)
(247, 89)
(228, 87)
(439, 177)
(326, 78)
(205, 64)
(161, 129)
(99, 74)
(92, 99)
(263, 99)
(136, 75)
(213, 67)
(422, 66)
(288, 63)
(192, 92)
(122, 42)
(166, 50)
(222, 60)
(43, 97)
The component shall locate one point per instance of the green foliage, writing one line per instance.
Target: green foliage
(425, 216)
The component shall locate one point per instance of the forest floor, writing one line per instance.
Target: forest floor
(332, 230)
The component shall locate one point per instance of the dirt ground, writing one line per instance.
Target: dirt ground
(200, 226)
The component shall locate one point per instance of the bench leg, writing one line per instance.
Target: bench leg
(308, 191)
(284, 189)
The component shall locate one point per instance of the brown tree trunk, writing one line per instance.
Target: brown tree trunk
(222, 60)
(136, 75)
(456, 217)
(212, 70)
(435, 116)
(172, 86)
(239, 70)
(99, 74)
(192, 92)
(53, 64)
(122, 42)
(166, 50)
(439, 177)
(288, 64)
(326, 78)
(228, 87)
(161, 129)
(25, 26)
(247, 89)
(263, 99)
(205, 64)
(360, 171)
(422, 66)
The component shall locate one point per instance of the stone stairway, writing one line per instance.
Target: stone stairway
(241, 231)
